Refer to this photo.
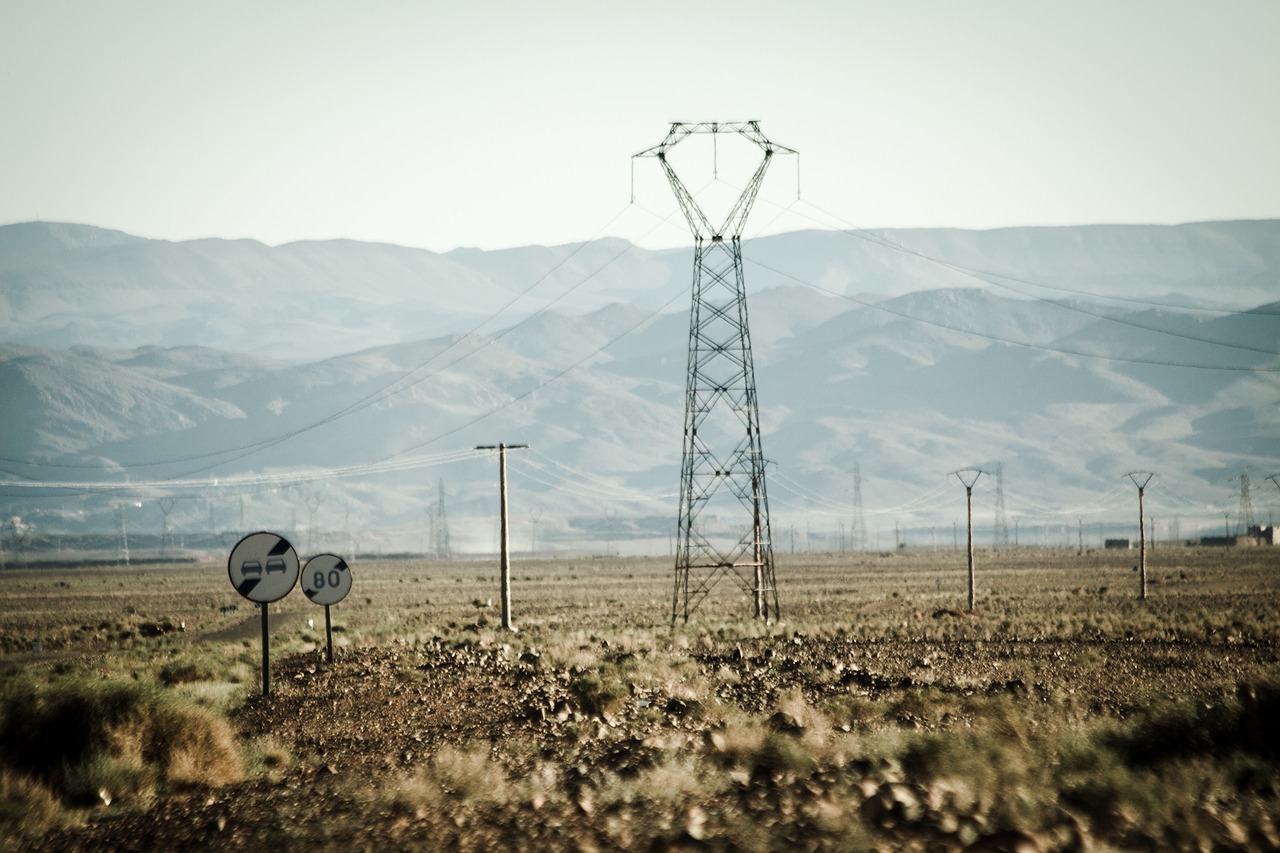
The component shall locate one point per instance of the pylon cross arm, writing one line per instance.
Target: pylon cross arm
(681, 130)
(1140, 478)
(698, 223)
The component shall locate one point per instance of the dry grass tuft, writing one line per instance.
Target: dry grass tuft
(28, 809)
(455, 780)
(99, 742)
(470, 774)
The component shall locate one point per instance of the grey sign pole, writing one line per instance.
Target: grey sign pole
(266, 652)
(326, 579)
(328, 635)
(263, 567)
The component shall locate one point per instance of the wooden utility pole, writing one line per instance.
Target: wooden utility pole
(967, 477)
(1140, 479)
(505, 559)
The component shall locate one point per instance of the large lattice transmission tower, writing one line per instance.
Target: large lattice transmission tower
(723, 527)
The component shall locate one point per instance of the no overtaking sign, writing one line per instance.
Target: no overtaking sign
(263, 567)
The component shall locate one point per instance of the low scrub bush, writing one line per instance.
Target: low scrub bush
(1244, 723)
(455, 778)
(27, 808)
(599, 692)
(858, 713)
(100, 741)
(185, 672)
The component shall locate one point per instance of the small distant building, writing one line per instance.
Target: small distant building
(1264, 535)
(1116, 544)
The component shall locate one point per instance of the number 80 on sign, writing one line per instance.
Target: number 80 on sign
(326, 579)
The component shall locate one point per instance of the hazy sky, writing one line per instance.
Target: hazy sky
(497, 124)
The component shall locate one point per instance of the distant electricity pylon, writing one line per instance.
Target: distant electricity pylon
(313, 499)
(441, 548)
(124, 535)
(723, 527)
(1244, 518)
(1140, 479)
(859, 535)
(1275, 478)
(1002, 524)
(166, 526)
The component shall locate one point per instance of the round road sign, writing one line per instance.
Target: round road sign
(263, 567)
(326, 579)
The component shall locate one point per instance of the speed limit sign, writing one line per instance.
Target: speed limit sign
(326, 579)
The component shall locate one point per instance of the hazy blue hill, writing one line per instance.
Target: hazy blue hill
(43, 238)
(72, 402)
(1258, 327)
(562, 339)
(63, 284)
(1186, 357)
(198, 369)
(1197, 263)
(608, 261)
(215, 359)
(1111, 260)
(303, 299)
(993, 382)
(1250, 429)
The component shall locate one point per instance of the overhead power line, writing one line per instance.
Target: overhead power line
(878, 306)
(238, 482)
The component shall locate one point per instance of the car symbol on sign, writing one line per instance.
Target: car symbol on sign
(252, 567)
(275, 565)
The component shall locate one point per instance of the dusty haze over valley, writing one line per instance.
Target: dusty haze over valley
(331, 389)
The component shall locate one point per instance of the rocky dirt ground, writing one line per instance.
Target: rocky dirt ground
(595, 763)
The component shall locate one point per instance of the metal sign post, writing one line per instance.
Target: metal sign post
(266, 651)
(326, 579)
(263, 567)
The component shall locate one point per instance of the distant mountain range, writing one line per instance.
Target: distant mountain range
(333, 388)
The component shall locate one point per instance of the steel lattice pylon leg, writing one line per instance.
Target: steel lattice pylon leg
(723, 526)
